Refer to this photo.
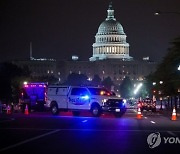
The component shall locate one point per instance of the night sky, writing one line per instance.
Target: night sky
(59, 29)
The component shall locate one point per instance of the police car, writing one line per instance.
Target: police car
(75, 99)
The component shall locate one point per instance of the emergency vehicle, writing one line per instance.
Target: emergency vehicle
(34, 95)
(75, 98)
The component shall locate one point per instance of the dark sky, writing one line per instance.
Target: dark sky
(59, 29)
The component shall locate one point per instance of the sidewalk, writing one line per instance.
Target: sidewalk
(168, 112)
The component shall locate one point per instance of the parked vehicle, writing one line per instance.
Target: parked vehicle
(34, 95)
(76, 99)
(147, 104)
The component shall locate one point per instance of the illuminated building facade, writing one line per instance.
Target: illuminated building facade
(110, 58)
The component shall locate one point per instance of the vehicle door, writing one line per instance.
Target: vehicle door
(79, 98)
(61, 96)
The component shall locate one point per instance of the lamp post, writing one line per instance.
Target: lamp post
(159, 84)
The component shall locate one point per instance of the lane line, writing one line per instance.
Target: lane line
(108, 130)
(29, 140)
(38, 129)
(153, 122)
(84, 121)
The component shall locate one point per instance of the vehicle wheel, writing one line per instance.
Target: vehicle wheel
(95, 110)
(54, 109)
(76, 113)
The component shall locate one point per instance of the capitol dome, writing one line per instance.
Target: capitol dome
(110, 27)
(110, 40)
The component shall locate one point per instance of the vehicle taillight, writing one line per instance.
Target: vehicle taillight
(108, 94)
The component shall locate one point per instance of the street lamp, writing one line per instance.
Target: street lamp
(157, 13)
(138, 87)
(161, 82)
(154, 83)
(179, 68)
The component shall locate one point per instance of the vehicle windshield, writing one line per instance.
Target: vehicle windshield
(100, 91)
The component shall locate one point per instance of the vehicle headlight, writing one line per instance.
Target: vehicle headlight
(124, 100)
(104, 100)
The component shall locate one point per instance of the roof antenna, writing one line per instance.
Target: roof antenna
(110, 5)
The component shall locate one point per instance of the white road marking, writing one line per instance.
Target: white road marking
(84, 121)
(145, 117)
(153, 122)
(135, 111)
(171, 133)
(29, 140)
(107, 130)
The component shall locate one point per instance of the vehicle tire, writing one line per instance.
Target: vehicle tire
(54, 109)
(75, 113)
(96, 110)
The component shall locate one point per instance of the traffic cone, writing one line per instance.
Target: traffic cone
(139, 115)
(26, 110)
(174, 115)
(8, 110)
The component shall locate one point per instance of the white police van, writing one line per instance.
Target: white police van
(76, 98)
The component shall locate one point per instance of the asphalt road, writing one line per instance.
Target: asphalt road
(41, 133)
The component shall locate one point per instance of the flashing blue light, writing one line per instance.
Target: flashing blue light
(86, 97)
(124, 101)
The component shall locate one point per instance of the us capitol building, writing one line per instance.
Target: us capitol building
(110, 40)
(110, 58)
